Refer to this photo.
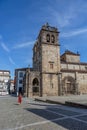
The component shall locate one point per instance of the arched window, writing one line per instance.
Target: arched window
(35, 82)
(48, 38)
(52, 39)
(35, 88)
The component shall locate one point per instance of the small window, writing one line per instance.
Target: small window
(20, 81)
(52, 85)
(48, 38)
(52, 39)
(51, 65)
(21, 74)
(86, 67)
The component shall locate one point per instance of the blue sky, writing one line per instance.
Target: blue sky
(21, 20)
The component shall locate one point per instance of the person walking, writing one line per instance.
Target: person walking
(19, 98)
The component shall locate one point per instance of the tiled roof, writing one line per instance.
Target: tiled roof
(70, 53)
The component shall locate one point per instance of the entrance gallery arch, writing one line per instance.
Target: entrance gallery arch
(35, 88)
(68, 85)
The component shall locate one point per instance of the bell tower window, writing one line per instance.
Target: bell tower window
(52, 39)
(48, 38)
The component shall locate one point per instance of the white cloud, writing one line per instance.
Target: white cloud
(23, 45)
(62, 19)
(11, 61)
(68, 13)
(65, 15)
(5, 47)
(74, 33)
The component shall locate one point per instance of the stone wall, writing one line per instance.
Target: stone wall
(72, 58)
(80, 80)
(50, 84)
(50, 54)
(72, 66)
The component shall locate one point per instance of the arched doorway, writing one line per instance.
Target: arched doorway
(68, 85)
(35, 87)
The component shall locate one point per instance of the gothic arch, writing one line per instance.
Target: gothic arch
(35, 82)
(68, 85)
(52, 39)
(48, 37)
(35, 88)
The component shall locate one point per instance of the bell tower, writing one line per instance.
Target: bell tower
(46, 59)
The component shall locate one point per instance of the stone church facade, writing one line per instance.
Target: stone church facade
(54, 74)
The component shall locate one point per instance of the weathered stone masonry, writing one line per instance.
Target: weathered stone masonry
(53, 74)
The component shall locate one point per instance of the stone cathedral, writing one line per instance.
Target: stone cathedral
(54, 74)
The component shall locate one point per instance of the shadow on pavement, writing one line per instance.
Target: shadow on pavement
(63, 118)
(41, 104)
(16, 104)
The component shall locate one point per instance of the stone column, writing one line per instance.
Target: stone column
(76, 83)
(27, 82)
(59, 84)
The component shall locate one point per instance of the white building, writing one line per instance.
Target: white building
(4, 79)
(19, 75)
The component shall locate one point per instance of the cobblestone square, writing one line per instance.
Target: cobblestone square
(33, 115)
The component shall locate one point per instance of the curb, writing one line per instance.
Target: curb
(66, 103)
(49, 101)
(78, 105)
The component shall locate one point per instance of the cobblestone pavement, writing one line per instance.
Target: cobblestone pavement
(33, 115)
